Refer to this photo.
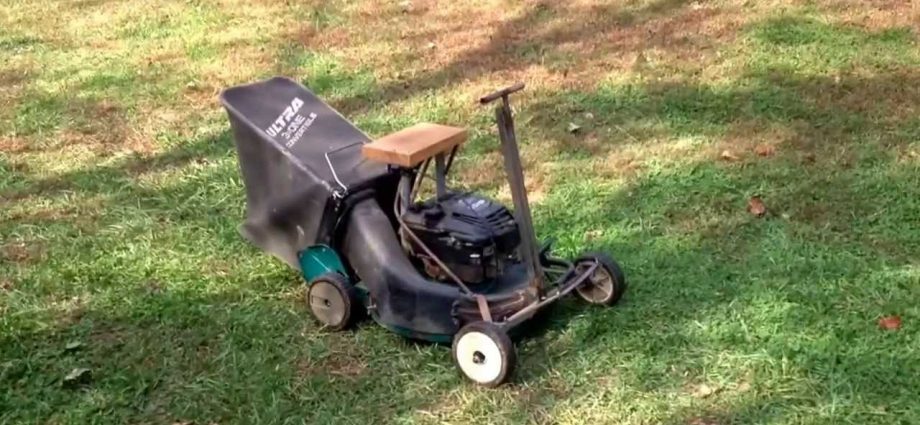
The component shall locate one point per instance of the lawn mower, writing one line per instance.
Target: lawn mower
(342, 209)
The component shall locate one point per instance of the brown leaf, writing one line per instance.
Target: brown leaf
(756, 206)
(592, 235)
(890, 323)
(765, 149)
(703, 391)
(728, 155)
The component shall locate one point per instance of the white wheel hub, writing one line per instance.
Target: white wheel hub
(479, 357)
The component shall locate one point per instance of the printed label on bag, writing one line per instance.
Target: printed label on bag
(291, 125)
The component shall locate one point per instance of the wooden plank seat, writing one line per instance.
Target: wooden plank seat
(410, 146)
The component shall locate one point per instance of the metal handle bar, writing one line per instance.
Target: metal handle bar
(501, 93)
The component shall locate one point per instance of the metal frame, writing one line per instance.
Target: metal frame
(335, 175)
(565, 280)
(515, 174)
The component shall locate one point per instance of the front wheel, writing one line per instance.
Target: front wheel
(606, 284)
(484, 353)
(332, 301)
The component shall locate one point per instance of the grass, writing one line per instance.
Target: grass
(120, 198)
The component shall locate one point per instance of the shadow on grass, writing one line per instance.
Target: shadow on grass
(814, 115)
(526, 40)
(105, 179)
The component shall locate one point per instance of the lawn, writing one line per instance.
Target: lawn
(120, 196)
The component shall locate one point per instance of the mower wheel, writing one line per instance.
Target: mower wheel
(332, 300)
(606, 284)
(484, 353)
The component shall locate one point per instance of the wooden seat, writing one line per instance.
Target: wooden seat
(410, 146)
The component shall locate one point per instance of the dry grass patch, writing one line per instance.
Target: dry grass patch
(22, 252)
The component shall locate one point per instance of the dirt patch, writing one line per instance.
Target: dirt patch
(753, 138)
(107, 336)
(10, 144)
(81, 215)
(12, 77)
(877, 14)
(22, 252)
(620, 164)
(344, 359)
(334, 364)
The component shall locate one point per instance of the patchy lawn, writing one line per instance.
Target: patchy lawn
(120, 199)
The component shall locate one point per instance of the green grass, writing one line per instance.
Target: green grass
(120, 196)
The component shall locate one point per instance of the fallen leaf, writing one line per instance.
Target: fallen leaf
(73, 346)
(703, 391)
(728, 155)
(765, 150)
(572, 127)
(756, 206)
(890, 323)
(744, 387)
(78, 377)
(431, 45)
(589, 116)
(592, 235)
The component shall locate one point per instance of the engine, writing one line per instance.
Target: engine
(474, 236)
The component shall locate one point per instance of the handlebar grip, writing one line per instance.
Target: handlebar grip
(501, 93)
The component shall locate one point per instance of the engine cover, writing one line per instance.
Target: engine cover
(471, 234)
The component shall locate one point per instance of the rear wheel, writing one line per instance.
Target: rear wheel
(332, 300)
(606, 285)
(484, 353)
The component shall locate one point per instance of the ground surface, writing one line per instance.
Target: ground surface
(120, 199)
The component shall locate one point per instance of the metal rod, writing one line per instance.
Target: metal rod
(515, 174)
(527, 312)
(418, 181)
(450, 159)
(440, 175)
(334, 175)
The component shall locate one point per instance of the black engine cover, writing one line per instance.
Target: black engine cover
(471, 234)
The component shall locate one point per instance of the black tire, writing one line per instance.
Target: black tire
(606, 285)
(484, 354)
(332, 301)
